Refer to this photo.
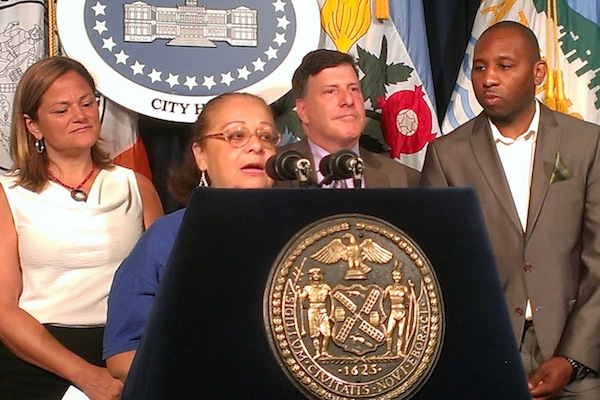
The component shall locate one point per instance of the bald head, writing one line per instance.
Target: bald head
(506, 71)
(530, 41)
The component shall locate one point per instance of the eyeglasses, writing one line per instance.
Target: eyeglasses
(240, 136)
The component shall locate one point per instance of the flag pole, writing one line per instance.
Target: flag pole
(51, 32)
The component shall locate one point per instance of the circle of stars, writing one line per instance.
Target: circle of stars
(172, 79)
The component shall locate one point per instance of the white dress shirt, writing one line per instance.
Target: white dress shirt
(516, 156)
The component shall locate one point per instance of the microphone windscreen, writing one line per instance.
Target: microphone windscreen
(282, 166)
(336, 165)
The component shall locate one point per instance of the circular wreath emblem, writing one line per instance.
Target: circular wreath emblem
(353, 310)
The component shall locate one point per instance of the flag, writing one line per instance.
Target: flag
(21, 45)
(568, 32)
(121, 137)
(393, 56)
(389, 43)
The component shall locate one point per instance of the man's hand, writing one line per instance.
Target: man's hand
(550, 378)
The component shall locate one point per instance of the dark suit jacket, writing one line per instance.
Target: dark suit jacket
(380, 171)
(556, 262)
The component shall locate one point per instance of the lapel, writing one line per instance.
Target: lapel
(486, 156)
(548, 140)
(374, 177)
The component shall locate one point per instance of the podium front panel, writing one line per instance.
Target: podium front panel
(206, 338)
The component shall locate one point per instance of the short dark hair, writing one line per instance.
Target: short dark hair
(315, 62)
(527, 34)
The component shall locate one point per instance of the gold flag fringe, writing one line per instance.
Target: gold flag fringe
(382, 9)
(554, 94)
(345, 21)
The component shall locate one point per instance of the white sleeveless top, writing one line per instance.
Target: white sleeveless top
(69, 250)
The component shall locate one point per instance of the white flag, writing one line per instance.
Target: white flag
(394, 58)
(568, 32)
(21, 45)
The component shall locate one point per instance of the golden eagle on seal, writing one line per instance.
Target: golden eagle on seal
(354, 253)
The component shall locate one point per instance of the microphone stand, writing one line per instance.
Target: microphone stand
(325, 181)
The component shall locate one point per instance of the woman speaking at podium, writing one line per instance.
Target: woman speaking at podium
(231, 142)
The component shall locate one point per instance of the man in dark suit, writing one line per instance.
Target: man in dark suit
(331, 108)
(537, 175)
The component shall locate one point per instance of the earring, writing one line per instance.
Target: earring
(203, 180)
(40, 147)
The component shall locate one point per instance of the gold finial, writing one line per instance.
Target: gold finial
(346, 21)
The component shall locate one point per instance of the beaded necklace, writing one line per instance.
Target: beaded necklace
(76, 193)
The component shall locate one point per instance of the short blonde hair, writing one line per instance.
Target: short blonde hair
(29, 166)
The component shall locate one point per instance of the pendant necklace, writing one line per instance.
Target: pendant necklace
(76, 193)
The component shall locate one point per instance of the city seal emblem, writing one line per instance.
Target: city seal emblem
(353, 310)
(167, 58)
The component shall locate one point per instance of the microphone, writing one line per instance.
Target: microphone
(340, 165)
(289, 165)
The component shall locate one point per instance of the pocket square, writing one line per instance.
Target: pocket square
(560, 171)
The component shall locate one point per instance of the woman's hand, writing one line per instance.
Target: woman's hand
(98, 384)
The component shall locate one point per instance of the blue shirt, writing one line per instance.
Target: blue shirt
(135, 285)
